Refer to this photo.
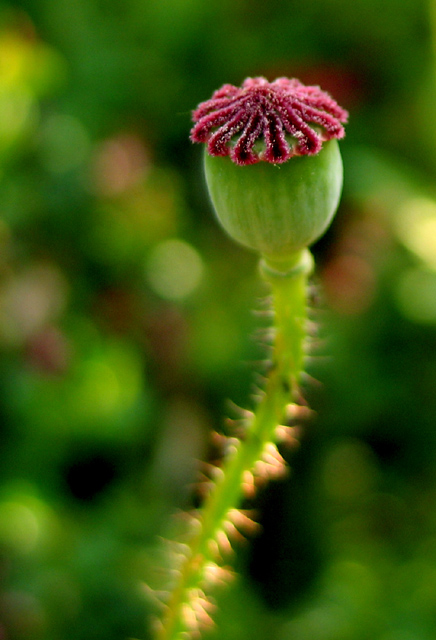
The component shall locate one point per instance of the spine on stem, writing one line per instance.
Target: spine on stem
(249, 460)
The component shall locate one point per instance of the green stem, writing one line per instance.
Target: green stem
(288, 281)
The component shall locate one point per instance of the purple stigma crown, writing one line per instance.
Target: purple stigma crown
(291, 118)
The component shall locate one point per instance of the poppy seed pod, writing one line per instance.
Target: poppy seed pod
(276, 210)
(272, 162)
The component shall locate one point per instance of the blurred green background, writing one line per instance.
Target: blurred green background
(126, 319)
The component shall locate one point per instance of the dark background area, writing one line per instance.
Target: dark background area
(126, 320)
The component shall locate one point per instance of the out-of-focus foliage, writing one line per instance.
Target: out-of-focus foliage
(125, 317)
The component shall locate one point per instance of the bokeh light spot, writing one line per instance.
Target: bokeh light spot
(64, 143)
(108, 385)
(120, 162)
(174, 269)
(31, 299)
(416, 295)
(102, 385)
(416, 228)
(18, 114)
(14, 53)
(19, 526)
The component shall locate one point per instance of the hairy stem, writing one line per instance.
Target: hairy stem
(254, 456)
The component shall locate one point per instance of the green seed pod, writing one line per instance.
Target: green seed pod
(272, 162)
(276, 209)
